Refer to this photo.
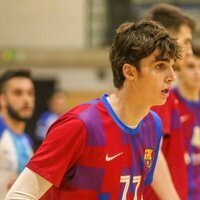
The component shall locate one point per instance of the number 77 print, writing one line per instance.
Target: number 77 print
(127, 180)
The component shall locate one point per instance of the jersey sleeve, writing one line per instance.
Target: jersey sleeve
(41, 127)
(60, 150)
(158, 130)
(2, 126)
(168, 114)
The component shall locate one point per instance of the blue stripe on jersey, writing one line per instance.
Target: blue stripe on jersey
(158, 134)
(141, 152)
(116, 119)
(134, 146)
(104, 196)
(44, 122)
(158, 122)
(2, 126)
(95, 132)
(145, 133)
(158, 126)
(191, 169)
(150, 130)
(88, 178)
(126, 138)
(175, 120)
(144, 143)
(93, 102)
(22, 150)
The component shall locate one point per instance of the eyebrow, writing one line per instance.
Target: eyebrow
(161, 58)
(188, 39)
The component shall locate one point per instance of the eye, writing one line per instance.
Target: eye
(31, 93)
(160, 66)
(188, 42)
(17, 92)
(190, 66)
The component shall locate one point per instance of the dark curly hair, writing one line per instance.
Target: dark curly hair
(135, 41)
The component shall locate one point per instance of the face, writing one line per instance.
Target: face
(19, 98)
(184, 37)
(189, 73)
(58, 103)
(154, 80)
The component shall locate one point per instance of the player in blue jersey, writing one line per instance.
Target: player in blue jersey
(57, 106)
(17, 104)
(107, 149)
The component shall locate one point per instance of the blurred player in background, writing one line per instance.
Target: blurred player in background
(187, 93)
(17, 98)
(107, 148)
(57, 105)
(181, 27)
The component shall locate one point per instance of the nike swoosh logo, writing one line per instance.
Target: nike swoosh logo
(109, 158)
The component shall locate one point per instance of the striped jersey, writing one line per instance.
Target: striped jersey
(90, 154)
(172, 147)
(190, 122)
(15, 152)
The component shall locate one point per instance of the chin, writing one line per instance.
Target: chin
(26, 117)
(159, 103)
(163, 102)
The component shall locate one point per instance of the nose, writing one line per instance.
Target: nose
(198, 70)
(171, 76)
(27, 98)
(188, 50)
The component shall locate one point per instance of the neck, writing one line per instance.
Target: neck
(15, 125)
(189, 93)
(128, 108)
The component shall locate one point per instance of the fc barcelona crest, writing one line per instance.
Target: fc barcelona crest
(148, 157)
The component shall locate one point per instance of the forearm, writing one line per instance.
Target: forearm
(29, 186)
(162, 183)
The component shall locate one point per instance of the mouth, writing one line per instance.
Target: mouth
(26, 109)
(165, 91)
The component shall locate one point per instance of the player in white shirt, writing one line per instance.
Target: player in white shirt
(17, 99)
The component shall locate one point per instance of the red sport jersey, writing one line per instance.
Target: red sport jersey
(173, 147)
(89, 154)
(190, 122)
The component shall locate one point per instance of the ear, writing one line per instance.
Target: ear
(129, 71)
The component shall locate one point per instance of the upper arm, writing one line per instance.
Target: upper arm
(60, 150)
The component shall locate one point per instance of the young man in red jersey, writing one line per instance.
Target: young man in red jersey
(181, 27)
(187, 93)
(106, 149)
